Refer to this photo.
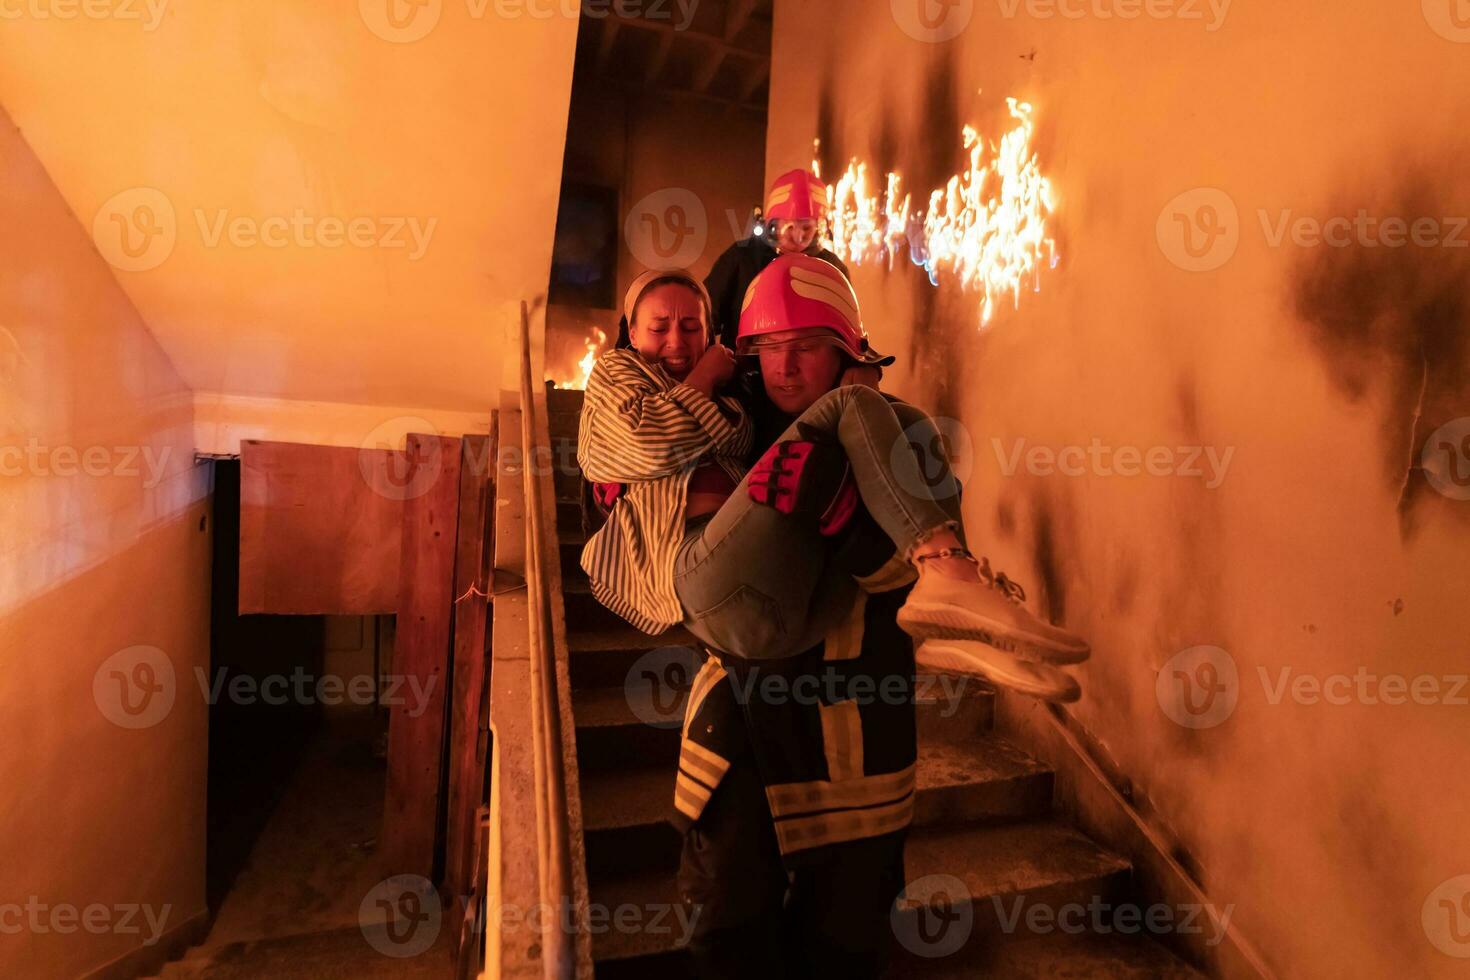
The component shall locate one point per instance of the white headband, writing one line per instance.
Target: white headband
(640, 285)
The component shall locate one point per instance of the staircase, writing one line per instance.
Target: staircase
(983, 814)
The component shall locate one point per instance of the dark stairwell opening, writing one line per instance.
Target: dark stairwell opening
(296, 778)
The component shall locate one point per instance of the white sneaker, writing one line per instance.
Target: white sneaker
(968, 658)
(989, 611)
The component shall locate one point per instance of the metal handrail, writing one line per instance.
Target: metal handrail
(553, 830)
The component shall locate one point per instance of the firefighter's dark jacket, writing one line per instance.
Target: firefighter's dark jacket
(832, 730)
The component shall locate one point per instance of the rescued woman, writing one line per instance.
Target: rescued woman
(695, 540)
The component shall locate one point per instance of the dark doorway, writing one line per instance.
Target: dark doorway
(296, 746)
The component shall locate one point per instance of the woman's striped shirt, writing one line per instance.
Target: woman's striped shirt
(642, 429)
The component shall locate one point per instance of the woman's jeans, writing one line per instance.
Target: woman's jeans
(761, 584)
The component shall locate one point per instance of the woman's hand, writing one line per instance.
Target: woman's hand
(715, 368)
(862, 374)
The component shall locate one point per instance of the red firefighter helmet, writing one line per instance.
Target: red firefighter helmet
(802, 292)
(796, 194)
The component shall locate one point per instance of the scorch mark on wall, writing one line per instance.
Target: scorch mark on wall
(1393, 324)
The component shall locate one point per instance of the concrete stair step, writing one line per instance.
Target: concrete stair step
(603, 648)
(990, 779)
(570, 553)
(602, 651)
(1045, 862)
(586, 614)
(339, 954)
(568, 519)
(674, 965)
(611, 736)
(953, 710)
(564, 456)
(627, 815)
(568, 483)
(1048, 861)
(1057, 956)
(564, 400)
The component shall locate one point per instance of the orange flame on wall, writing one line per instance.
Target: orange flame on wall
(986, 228)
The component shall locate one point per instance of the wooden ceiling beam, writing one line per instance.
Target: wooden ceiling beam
(705, 75)
(624, 84)
(737, 15)
(659, 60)
(713, 41)
(605, 42)
(758, 73)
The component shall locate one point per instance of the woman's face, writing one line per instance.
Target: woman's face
(669, 328)
(795, 234)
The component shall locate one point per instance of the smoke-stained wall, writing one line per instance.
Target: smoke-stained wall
(1210, 426)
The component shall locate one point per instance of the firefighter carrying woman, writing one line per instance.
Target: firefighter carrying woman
(791, 528)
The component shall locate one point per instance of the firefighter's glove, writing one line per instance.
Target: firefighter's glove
(807, 479)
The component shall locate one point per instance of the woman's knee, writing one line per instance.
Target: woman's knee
(832, 405)
(911, 415)
(862, 395)
(920, 429)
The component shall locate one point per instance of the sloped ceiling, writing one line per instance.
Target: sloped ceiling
(308, 202)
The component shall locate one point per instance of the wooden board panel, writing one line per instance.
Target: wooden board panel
(471, 605)
(319, 529)
(421, 655)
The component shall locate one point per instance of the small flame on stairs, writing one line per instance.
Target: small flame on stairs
(595, 341)
(986, 228)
